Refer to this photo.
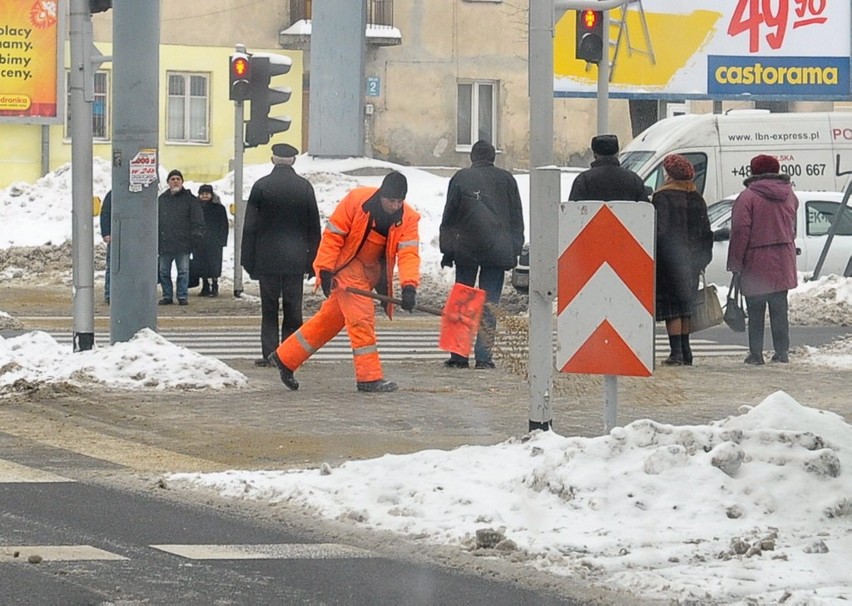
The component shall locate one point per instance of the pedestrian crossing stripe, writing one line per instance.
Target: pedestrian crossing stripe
(14, 473)
(394, 345)
(275, 551)
(53, 553)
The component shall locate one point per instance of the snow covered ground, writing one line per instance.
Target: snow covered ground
(752, 509)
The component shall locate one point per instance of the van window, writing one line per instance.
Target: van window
(635, 160)
(656, 177)
(820, 214)
(720, 209)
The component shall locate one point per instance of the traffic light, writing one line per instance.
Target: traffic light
(590, 35)
(99, 6)
(240, 70)
(262, 97)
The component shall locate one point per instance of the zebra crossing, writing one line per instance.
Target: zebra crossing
(394, 345)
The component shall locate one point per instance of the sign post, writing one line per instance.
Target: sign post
(605, 293)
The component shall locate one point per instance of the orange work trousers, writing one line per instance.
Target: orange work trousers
(356, 312)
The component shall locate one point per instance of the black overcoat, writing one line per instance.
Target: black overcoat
(483, 222)
(207, 258)
(180, 222)
(684, 243)
(608, 181)
(282, 225)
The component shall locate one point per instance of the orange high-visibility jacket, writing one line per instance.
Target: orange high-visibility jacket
(349, 225)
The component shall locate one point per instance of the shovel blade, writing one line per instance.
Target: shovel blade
(460, 320)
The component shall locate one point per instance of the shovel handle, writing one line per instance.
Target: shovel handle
(387, 299)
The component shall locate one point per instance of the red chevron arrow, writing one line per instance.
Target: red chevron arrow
(605, 344)
(605, 239)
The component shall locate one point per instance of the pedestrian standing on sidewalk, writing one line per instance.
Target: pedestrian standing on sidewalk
(207, 258)
(684, 244)
(181, 228)
(370, 231)
(106, 234)
(281, 234)
(482, 233)
(607, 180)
(762, 254)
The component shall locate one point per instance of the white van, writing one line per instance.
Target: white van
(815, 149)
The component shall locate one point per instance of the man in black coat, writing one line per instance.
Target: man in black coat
(607, 180)
(482, 232)
(180, 228)
(280, 239)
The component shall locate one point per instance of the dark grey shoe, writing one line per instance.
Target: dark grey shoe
(286, 374)
(183, 302)
(754, 359)
(484, 365)
(781, 356)
(380, 386)
(165, 301)
(456, 363)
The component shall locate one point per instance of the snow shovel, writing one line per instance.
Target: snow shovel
(459, 318)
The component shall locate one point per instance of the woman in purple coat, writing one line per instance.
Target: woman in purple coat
(762, 254)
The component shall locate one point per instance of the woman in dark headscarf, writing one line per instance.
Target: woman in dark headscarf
(684, 248)
(207, 259)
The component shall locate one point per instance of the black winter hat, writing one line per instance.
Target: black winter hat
(175, 173)
(284, 150)
(605, 145)
(394, 186)
(205, 188)
(482, 150)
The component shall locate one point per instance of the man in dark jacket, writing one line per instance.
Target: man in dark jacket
(106, 234)
(280, 239)
(482, 232)
(180, 227)
(607, 180)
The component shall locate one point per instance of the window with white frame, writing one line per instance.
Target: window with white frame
(187, 108)
(100, 106)
(477, 112)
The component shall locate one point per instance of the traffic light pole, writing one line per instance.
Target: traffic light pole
(545, 193)
(239, 206)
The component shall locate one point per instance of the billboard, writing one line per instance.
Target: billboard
(30, 54)
(716, 49)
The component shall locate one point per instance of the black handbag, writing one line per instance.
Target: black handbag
(735, 315)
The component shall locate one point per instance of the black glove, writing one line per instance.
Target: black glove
(310, 273)
(409, 297)
(325, 280)
(447, 261)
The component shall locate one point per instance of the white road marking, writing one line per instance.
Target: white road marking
(54, 553)
(281, 551)
(12, 472)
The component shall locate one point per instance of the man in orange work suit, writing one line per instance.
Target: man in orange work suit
(370, 231)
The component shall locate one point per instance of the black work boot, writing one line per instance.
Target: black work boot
(286, 374)
(205, 288)
(380, 386)
(214, 288)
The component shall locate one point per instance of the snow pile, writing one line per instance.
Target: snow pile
(756, 506)
(147, 361)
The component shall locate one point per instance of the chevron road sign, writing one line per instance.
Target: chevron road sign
(605, 279)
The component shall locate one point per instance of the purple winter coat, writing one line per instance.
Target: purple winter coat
(763, 232)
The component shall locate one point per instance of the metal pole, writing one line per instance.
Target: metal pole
(135, 143)
(239, 206)
(841, 210)
(603, 80)
(544, 198)
(610, 413)
(82, 236)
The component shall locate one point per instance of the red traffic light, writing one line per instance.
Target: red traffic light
(240, 67)
(589, 18)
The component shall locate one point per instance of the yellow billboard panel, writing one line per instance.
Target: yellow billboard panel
(715, 49)
(30, 47)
